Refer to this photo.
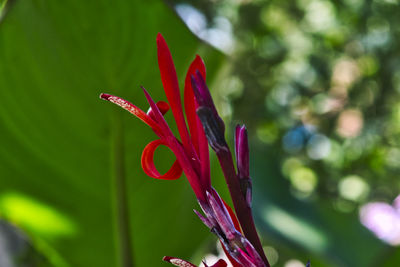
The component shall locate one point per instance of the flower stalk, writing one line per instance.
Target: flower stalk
(239, 184)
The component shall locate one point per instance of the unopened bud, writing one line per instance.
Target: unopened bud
(242, 162)
(222, 216)
(242, 151)
(213, 125)
(212, 128)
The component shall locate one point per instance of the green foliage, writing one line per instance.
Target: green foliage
(63, 150)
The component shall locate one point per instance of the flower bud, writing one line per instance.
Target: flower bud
(242, 162)
(213, 125)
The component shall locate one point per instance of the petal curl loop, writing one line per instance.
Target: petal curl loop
(148, 163)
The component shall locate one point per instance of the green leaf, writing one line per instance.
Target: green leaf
(63, 150)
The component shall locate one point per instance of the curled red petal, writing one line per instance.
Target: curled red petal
(148, 163)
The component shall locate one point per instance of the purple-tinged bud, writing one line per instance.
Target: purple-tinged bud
(207, 210)
(308, 264)
(202, 93)
(242, 152)
(222, 216)
(242, 162)
(214, 127)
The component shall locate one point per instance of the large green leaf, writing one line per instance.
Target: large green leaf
(64, 152)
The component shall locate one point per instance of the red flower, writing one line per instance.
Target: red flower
(191, 151)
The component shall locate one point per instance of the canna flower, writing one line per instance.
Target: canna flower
(203, 127)
(191, 151)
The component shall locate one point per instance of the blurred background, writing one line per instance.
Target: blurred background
(316, 82)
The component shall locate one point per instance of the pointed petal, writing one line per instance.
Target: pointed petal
(190, 103)
(132, 109)
(196, 129)
(178, 262)
(148, 163)
(158, 116)
(171, 88)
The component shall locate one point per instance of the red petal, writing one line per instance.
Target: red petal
(162, 106)
(132, 109)
(171, 88)
(177, 149)
(148, 163)
(196, 129)
(190, 103)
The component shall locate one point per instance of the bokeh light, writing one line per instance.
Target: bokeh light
(383, 220)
